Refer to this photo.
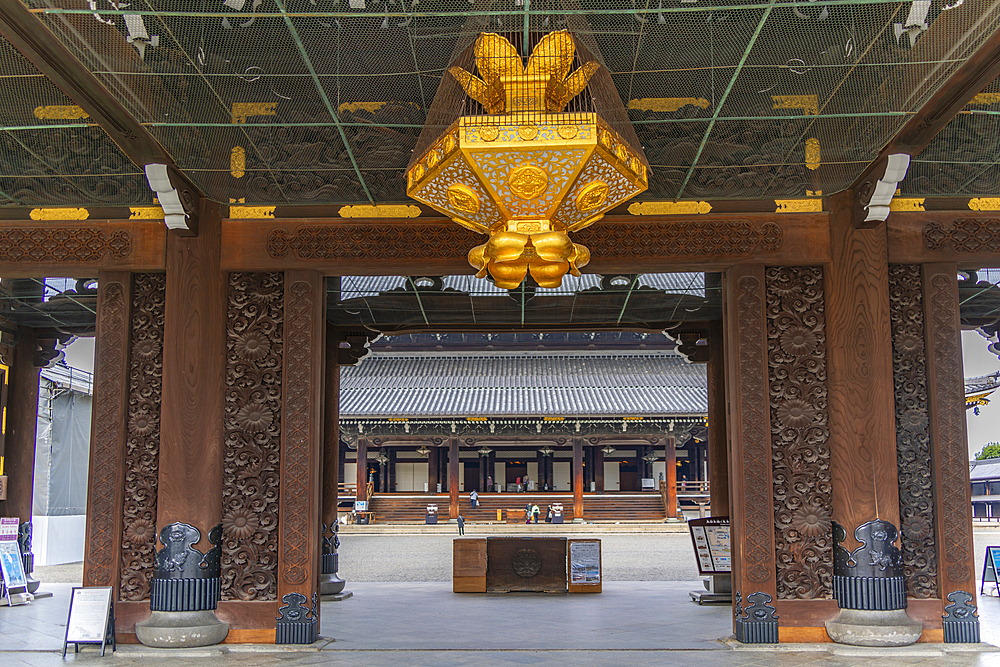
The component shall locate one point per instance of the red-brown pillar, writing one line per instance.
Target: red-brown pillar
(670, 459)
(577, 480)
(361, 469)
(330, 581)
(19, 440)
(718, 445)
(453, 478)
(433, 465)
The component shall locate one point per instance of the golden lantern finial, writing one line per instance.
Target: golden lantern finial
(527, 172)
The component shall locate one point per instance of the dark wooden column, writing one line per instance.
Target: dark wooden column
(331, 430)
(361, 469)
(453, 478)
(432, 469)
(599, 468)
(718, 445)
(577, 479)
(946, 393)
(191, 452)
(862, 410)
(102, 551)
(670, 463)
(750, 434)
(299, 507)
(391, 482)
(22, 415)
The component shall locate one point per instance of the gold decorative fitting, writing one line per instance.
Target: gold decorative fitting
(60, 112)
(244, 110)
(985, 204)
(809, 104)
(145, 213)
(986, 98)
(592, 196)
(237, 162)
(898, 204)
(528, 182)
(59, 214)
(463, 199)
(251, 212)
(812, 153)
(670, 208)
(798, 205)
(378, 211)
(526, 172)
(668, 104)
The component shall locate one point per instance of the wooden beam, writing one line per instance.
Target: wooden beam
(968, 238)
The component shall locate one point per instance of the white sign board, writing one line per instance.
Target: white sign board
(90, 617)
(11, 564)
(585, 562)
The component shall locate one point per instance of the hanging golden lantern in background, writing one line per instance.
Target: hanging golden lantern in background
(524, 170)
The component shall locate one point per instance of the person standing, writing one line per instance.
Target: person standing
(489, 483)
(535, 512)
(461, 525)
(474, 497)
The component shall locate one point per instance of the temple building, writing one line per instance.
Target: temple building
(249, 199)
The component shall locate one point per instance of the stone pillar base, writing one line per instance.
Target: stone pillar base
(181, 629)
(331, 584)
(858, 627)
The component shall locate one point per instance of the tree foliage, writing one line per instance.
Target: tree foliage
(990, 451)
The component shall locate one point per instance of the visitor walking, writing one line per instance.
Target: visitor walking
(535, 512)
(474, 497)
(461, 525)
(489, 483)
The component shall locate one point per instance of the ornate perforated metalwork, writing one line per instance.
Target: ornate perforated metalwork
(252, 436)
(108, 417)
(757, 520)
(142, 438)
(954, 471)
(63, 244)
(913, 446)
(300, 377)
(800, 453)
(965, 235)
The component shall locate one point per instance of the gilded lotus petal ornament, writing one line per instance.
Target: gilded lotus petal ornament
(547, 256)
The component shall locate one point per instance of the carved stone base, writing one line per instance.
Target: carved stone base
(181, 629)
(331, 584)
(858, 627)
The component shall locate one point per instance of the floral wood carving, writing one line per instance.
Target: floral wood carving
(950, 435)
(142, 438)
(688, 238)
(106, 444)
(252, 436)
(800, 453)
(299, 380)
(913, 447)
(63, 244)
(758, 555)
(966, 235)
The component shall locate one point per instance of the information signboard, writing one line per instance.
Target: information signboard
(11, 564)
(584, 567)
(91, 618)
(991, 569)
(712, 548)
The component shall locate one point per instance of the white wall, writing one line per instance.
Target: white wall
(561, 475)
(350, 473)
(411, 476)
(58, 539)
(659, 467)
(461, 476)
(611, 481)
(533, 473)
(500, 479)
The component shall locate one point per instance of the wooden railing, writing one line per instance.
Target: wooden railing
(347, 489)
(693, 488)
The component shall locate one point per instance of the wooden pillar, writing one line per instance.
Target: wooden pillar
(361, 472)
(432, 469)
(670, 463)
(952, 491)
(862, 412)
(599, 468)
(22, 415)
(752, 517)
(102, 549)
(577, 479)
(299, 509)
(391, 486)
(453, 478)
(718, 443)
(331, 431)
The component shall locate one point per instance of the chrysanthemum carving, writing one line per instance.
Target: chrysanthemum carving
(798, 341)
(147, 349)
(907, 343)
(252, 346)
(796, 413)
(240, 523)
(141, 531)
(142, 424)
(254, 418)
(913, 420)
(810, 522)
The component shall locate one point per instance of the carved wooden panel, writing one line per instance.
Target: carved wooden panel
(691, 238)
(252, 422)
(63, 244)
(913, 446)
(370, 241)
(106, 432)
(951, 455)
(964, 235)
(758, 557)
(142, 439)
(800, 452)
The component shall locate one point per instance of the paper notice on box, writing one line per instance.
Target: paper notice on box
(585, 562)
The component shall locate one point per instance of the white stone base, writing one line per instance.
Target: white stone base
(858, 627)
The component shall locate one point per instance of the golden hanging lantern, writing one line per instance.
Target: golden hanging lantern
(526, 171)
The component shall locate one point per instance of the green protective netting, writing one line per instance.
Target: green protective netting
(326, 99)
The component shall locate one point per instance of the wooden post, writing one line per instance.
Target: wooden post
(331, 431)
(718, 444)
(670, 461)
(22, 416)
(432, 469)
(599, 468)
(361, 470)
(577, 480)
(453, 478)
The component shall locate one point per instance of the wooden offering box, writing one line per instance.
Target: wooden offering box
(526, 565)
